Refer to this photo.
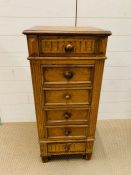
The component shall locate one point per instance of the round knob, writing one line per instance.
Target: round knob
(69, 48)
(67, 97)
(67, 115)
(68, 74)
(67, 132)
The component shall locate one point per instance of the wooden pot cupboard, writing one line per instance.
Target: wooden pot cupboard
(66, 67)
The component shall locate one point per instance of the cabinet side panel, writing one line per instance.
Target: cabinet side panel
(95, 96)
(37, 88)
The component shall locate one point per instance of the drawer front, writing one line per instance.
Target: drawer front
(67, 132)
(74, 116)
(68, 74)
(59, 46)
(67, 96)
(66, 148)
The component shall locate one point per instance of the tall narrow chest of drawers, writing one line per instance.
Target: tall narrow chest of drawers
(66, 66)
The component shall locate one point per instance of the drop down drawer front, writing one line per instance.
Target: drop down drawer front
(67, 132)
(66, 148)
(67, 46)
(67, 96)
(68, 74)
(66, 115)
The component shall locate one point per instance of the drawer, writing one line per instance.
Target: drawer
(66, 132)
(67, 96)
(63, 74)
(66, 116)
(67, 46)
(66, 148)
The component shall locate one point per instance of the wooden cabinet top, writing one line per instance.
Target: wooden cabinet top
(66, 30)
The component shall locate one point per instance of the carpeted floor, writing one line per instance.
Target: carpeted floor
(19, 152)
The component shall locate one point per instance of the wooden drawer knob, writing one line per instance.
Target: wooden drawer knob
(67, 115)
(69, 48)
(67, 132)
(68, 74)
(67, 147)
(67, 96)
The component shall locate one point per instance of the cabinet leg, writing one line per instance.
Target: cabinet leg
(44, 159)
(88, 156)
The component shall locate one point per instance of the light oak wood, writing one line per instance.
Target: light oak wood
(61, 30)
(63, 46)
(67, 116)
(66, 148)
(67, 132)
(68, 74)
(67, 96)
(59, 46)
(66, 66)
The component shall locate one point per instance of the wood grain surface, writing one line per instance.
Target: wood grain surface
(67, 76)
